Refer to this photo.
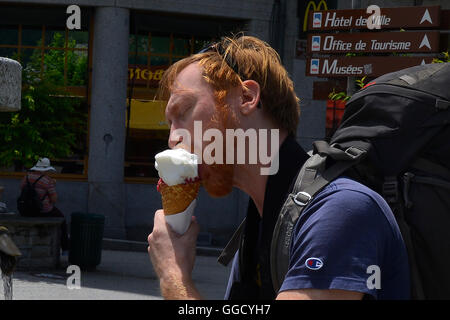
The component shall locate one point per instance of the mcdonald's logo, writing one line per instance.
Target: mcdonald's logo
(322, 5)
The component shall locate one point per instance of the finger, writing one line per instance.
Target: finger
(159, 220)
(159, 214)
(193, 230)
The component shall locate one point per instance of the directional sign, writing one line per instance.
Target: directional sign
(445, 20)
(390, 18)
(360, 66)
(374, 42)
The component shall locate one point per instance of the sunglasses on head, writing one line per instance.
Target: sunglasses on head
(219, 48)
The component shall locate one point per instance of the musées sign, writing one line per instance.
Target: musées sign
(360, 66)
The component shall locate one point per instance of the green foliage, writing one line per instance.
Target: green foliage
(443, 58)
(50, 123)
(343, 95)
(338, 96)
(360, 82)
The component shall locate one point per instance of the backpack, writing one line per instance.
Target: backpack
(395, 139)
(29, 204)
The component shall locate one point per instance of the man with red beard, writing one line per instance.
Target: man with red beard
(241, 83)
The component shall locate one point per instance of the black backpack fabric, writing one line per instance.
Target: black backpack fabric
(394, 138)
(29, 204)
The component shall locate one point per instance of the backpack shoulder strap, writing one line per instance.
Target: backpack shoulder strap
(34, 183)
(303, 192)
(232, 247)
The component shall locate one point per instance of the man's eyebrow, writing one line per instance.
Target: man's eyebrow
(184, 92)
(178, 97)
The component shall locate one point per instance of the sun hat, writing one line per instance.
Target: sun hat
(43, 164)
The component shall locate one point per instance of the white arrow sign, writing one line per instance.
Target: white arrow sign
(425, 42)
(426, 17)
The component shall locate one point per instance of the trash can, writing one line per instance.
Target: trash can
(86, 235)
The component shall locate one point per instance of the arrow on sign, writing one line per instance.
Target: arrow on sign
(426, 17)
(425, 42)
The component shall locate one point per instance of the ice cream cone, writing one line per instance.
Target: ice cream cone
(177, 198)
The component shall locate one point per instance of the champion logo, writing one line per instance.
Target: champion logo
(314, 263)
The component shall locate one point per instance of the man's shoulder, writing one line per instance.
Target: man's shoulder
(347, 227)
(349, 199)
(347, 191)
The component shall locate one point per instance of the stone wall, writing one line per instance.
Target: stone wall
(38, 239)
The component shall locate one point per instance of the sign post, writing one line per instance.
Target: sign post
(345, 44)
(381, 42)
(390, 18)
(338, 66)
(322, 42)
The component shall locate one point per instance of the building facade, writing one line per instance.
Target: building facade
(110, 66)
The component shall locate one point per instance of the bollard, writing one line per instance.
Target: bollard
(10, 85)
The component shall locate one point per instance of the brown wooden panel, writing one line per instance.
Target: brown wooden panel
(321, 89)
(338, 66)
(383, 42)
(445, 20)
(390, 18)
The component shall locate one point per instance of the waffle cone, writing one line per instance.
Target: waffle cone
(177, 198)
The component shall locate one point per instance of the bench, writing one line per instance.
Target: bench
(38, 239)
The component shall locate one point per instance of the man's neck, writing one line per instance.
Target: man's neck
(249, 179)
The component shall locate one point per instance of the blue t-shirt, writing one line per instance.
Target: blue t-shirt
(347, 239)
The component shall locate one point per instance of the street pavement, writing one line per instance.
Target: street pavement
(121, 275)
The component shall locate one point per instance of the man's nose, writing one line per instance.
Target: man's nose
(174, 138)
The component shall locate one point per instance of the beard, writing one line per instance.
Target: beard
(217, 179)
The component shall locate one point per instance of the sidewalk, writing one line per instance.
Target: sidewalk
(122, 275)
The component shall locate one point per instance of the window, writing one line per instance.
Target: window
(53, 120)
(150, 54)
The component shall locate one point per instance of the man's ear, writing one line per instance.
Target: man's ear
(250, 97)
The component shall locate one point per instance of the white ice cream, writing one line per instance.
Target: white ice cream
(176, 165)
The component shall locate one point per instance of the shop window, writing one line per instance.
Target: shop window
(9, 53)
(199, 44)
(147, 130)
(140, 59)
(30, 58)
(9, 36)
(159, 61)
(147, 134)
(31, 36)
(160, 45)
(50, 35)
(141, 45)
(79, 39)
(54, 115)
(181, 47)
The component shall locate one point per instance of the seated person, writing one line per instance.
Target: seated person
(46, 190)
